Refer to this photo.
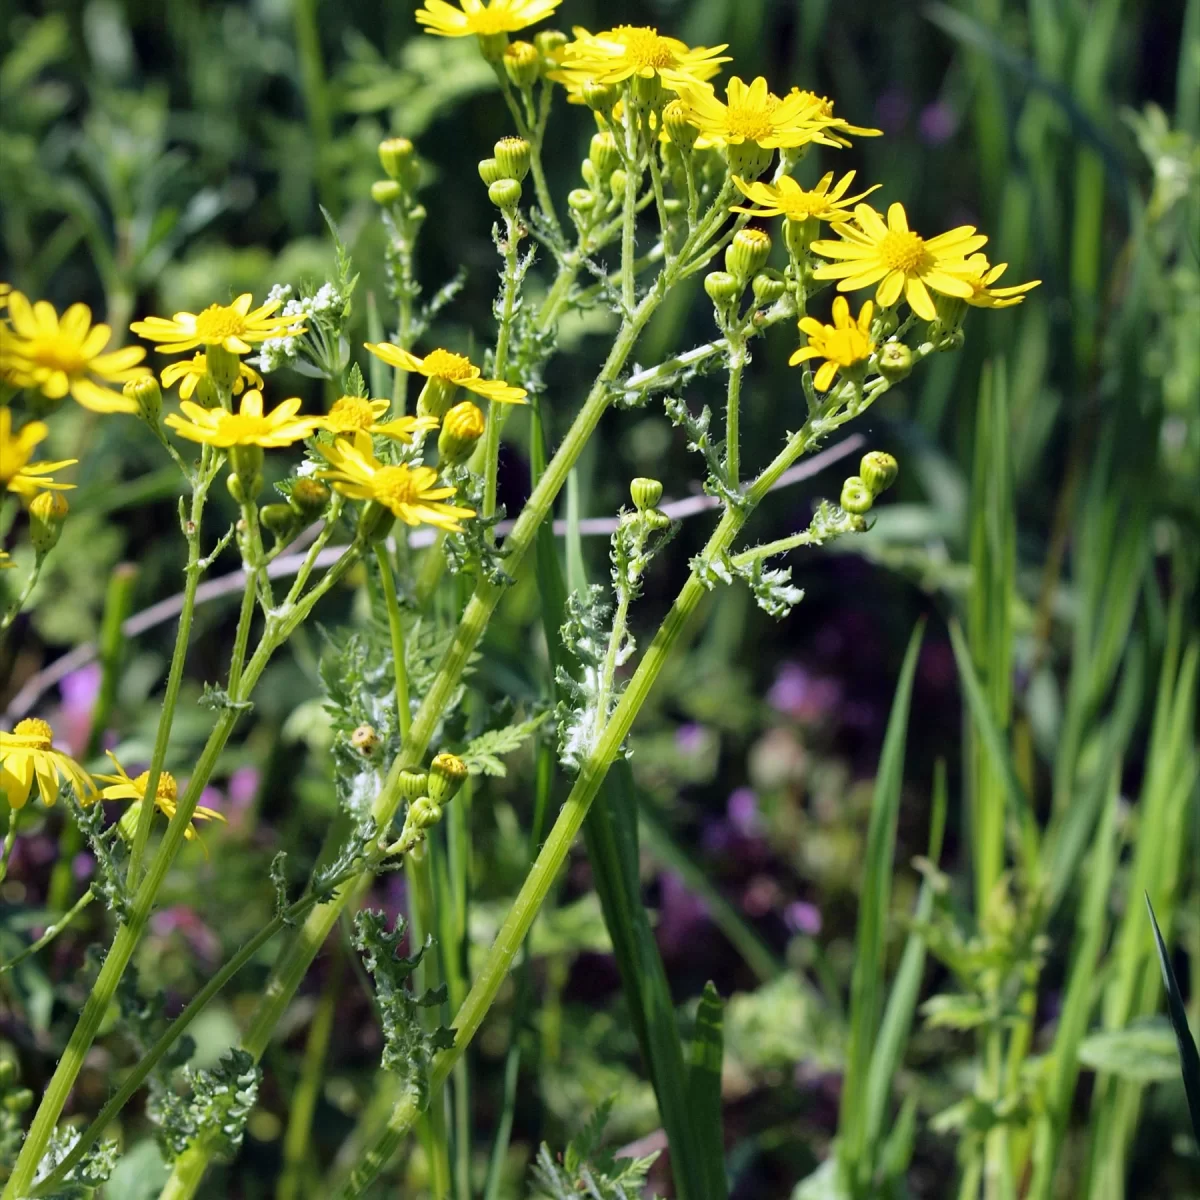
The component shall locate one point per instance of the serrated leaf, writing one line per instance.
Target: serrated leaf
(1143, 1052)
(483, 754)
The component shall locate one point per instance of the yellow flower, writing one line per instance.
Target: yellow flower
(233, 326)
(487, 20)
(899, 260)
(62, 355)
(618, 54)
(843, 344)
(166, 794)
(752, 113)
(980, 274)
(28, 753)
(188, 372)
(788, 199)
(410, 493)
(835, 127)
(349, 413)
(6, 562)
(246, 427)
(5, 289)
(454, 369)
(17, 473)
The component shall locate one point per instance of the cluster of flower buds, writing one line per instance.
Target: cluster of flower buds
(307, 499)
(605, 181)
(397, 193)
(876, 473)
(427, 793)
(504, 172)
(645, 494)
(526, 62)
(745, 264)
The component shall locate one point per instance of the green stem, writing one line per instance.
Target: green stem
(313, 75)
(737, 364)
(10, 840)
(396, 629)
(495, 411)
(51, 931)
(19, 603)
(629, 213)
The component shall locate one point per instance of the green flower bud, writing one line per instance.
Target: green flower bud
(489, 171)
(309, 497)
(722, 288)
(8, 1072)
(18, 1101)
(550, 41)
(895, 361)
(398, 158)
(423, 813)
(447, 773)
(748, 159)
(616, 183)
(856, 497)
(222, 367)
(676, 121)
(655, 518)
(590, 175)
(365, 740)
(417, 214)
(748, 252)
(580, 200)
(648, 90)
(600, 97)
(799, 235)
(603, 156)
(281, 519)
(386, 192)
(512, 157)
(878, 471)
(522, 64)
(47, 514)
(462, 427)
(148, 394)
(412, 784)
(436, 397)
(768, 286)
(505, 194)
(375, 522)
(645, 493)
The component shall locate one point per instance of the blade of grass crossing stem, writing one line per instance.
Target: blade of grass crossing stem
(875, 894)
(902, 1002)
(377, 372)
(1189, 1056)
(704, 1088)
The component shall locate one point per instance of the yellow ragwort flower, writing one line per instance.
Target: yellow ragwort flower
(234, 326)
(246, 427)
(835, 128)
(6, 562)
(188, 372)
(5, 289)
(900, 261)
(349, 413)
(842, 345)
(615, 55)
(454, 369)
(752, 113)
(980, 274)
(17, 473)
(61, 356)
(28, 753)
(486, 20)
(166, 794)
(788, 199)
(410, 493)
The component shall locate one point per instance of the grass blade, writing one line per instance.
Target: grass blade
(704, 1089)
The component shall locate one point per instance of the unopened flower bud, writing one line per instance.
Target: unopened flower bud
(386, 192)
(580, 200)
(522, 64)
(748, 252)
(47, 513)
(462, 427)
(412, 784)
(365, 740)
(447, 774)
(512, 157)
(206, 394)
(676, 120)
(222, 366)
(799, 235)
(645, 493)
(309, 497)
(505, 194)
(8, 1072)
(856, 497)
(280, 519)
(18, 1101)
(878, 471)
(655, 518)
(768, 286)
(423, 813)
(722, 288)
(550, 41)
(148, 394)
(398, 158)
(602, 154)
(489, 171)
(616, 183)
(599, 97)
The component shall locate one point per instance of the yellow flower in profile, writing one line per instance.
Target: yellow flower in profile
(487, 20)
(188, 372)
(17, 473)
(166, 795)
(842, 345)
(980, 274)
(788, 199)
(615, 55)
(752, 113)
(834, 127)
(900, 261)
(60, 356)
(27, 754)
(350, 413)
(246, 427)
(410, 493)
(454, 369)
(234, 326)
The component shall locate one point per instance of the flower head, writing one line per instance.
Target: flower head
(17, 473)
(487, 20)
(899, 260)
(349, 413)
(61, 356)
(618, 54)
(454, 369)
(234, 326)
(835, 128)
(752, 113)
(410, 493)
(166, 794)
(28, 753)
(788, 199)
(842, 345)
(188, 372)
(980, 274)
(247, 427)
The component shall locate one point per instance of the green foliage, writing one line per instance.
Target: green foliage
(588, 1171)
(220, 1101)
(483, 754)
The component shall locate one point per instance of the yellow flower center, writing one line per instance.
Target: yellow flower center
(752, 124)
(902, 251)
(56, 353)
(393, 487)
(845, 346)
(352, 412)
(443, 364)
(245, 429)
(35, 730)
(489, 21)
(166, 790)
(219, 321)
(644, 49)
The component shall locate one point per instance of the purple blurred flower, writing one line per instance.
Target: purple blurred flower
(680, 913)
(182, 919)
(83, 865)
(892, 110)
(79, 690)
(742, 809)
(802, 917)
(798, 693)
(761, 896)
(243, 787)
(690, 738)
(938, 123)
